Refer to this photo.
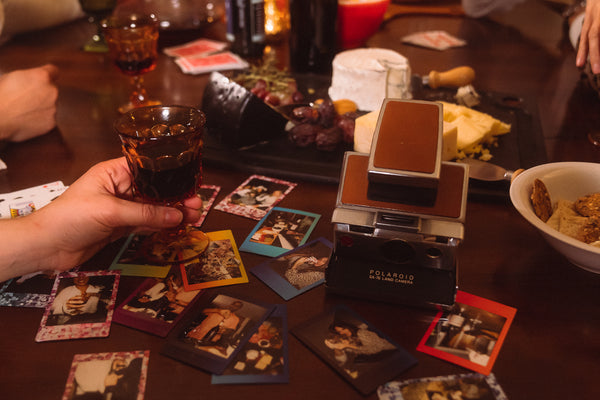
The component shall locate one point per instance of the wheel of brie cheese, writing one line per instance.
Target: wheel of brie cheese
(369, 75)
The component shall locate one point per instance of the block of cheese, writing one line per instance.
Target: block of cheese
(369, 75)
(364, 128)
(468, 133)
(449, 141)
(488, 125)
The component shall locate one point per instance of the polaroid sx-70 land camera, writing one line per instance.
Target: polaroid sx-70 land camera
(400, 212)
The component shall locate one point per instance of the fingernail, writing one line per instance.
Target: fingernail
(173, 216)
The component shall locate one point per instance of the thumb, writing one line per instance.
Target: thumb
(148, 215)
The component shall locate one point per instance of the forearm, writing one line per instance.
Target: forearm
(24, 250)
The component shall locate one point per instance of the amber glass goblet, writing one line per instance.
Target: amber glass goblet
(132, 43)
(163, 147)
(97, 10)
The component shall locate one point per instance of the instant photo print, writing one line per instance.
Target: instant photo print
(264, 358)
(470, 386)
(157, 304)
(208, 194)
(296, 271)
(210, 335)
(219, 265)
(81, 306)
(280, 231)
(255, 196)
(357, 351)
(470, 334)
(122, 375)
(32, 290)
(131, 260)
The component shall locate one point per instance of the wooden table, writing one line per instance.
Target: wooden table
(552, 348)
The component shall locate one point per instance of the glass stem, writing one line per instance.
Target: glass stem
(138, 93)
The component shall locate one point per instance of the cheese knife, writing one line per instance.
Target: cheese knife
(455, 77)
(485, 171)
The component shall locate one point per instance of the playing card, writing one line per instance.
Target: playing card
(437, 40)
(214, 62)
(196, 48)
(23, 202)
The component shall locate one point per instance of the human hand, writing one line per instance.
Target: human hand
(92, 212)
(28, 102)
(75, 304)
(589, 40)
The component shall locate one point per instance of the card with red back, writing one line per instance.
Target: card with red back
(196, 48)
(437, 40)
(214, 62)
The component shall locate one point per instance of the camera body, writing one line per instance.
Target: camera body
(400, 247)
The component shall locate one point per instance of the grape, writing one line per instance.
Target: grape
(261, 84)
(272, 99)
(303, 135)
(259, 92)
(297, 97)
(327, 113)
(346, 124)
(328, 139)
(305, 114)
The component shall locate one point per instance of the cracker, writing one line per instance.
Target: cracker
(589, 205)
(540, 199)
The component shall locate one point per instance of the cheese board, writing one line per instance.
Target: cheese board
(275, 155)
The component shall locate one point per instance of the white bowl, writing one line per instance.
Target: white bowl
(564, 180)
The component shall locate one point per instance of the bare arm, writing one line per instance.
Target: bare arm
(94, 211)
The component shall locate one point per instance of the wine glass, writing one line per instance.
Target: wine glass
(96, 11)
(163, 147)
(132, 44)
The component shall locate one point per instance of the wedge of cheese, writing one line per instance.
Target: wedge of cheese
(485, 123)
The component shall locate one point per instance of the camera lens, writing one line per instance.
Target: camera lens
(433, 252)
(398, 251)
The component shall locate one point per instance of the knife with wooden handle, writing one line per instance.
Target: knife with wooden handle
(455, 77)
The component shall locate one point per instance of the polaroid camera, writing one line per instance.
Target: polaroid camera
(400, 212)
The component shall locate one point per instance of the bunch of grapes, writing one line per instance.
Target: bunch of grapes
(322, 125)
(277, 93)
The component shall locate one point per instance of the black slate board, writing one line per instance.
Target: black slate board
(522, 147)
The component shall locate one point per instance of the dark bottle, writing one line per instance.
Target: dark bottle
(313, 35)
(246, 27)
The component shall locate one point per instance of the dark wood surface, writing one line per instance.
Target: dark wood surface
(552, 349)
